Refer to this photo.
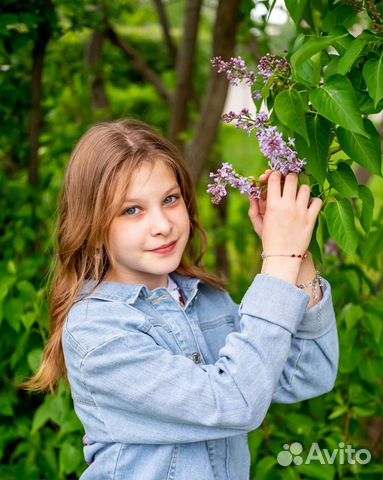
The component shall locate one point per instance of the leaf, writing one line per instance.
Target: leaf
(337, 412)
(264, 467)
(335, 100)
(295, 9)
(338, 16)
(364, 151)
(348, 59)
(310, 47)
(341, 225)
(319, 131)
(344, 180)
(288, 106)
(306, 62)
(373, 76)
(315, 469)
(366, 103)
(366, 216)
(70, 458)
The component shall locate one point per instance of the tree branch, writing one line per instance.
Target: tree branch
(138, 63)
(35, 115)
(224, 35)
(166, 30)
(93, 56)
(184, 71)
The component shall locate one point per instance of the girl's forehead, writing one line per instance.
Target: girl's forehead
(151, 176)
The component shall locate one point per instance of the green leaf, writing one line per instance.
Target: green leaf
(316, 470)
(335, 100)
(34, 359)
(359, 149)
(288, 107)
(373, 76)
(306, 61)
(264, 468)
(70, 458)
(310, 47)
(295, 9)
(339, 16)
(367, 213)
(366, 103)
(337, 412)
(319, 131)
(351, 55)
(341, 225)
(344, 180)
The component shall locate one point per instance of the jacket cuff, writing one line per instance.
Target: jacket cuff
(318, 319)
(276, 301)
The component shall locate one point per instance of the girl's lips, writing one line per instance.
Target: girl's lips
(167, 249)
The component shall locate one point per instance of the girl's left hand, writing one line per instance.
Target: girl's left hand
(258, 207)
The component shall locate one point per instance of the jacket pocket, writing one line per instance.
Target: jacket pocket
(215, 330)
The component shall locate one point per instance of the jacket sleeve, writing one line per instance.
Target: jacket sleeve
(312, 364)
(145, 394)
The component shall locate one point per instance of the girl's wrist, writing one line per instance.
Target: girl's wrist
(284, 268)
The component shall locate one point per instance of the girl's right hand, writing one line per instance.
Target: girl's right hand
(290, 217)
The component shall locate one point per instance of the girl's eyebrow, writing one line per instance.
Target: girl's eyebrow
(127, 200)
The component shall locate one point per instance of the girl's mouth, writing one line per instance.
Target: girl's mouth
(166, 249)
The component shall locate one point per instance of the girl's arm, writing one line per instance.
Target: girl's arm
(314, 353)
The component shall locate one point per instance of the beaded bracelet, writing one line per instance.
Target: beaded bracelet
(294, 255)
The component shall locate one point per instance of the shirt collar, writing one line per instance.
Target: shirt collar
(129, 293)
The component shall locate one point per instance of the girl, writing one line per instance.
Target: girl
(166, 372)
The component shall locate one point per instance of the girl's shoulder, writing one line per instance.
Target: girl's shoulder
(102, 313)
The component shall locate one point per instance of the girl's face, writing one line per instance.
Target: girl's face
(154, 216)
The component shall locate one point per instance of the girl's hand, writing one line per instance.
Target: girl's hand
(258, 207)
(290, 215)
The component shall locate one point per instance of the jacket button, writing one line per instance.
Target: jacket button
(196, 357)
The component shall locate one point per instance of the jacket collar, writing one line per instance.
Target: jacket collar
(129, 293)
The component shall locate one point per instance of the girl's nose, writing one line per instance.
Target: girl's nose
(160, 224)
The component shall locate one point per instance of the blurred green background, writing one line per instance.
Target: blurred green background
(60, 72)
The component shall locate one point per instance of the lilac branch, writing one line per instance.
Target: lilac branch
(280, 154)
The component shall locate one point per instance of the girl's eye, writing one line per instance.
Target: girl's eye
(172, 197)
(131, 211)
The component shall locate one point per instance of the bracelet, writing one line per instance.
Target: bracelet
(294, 255)
(313, 283)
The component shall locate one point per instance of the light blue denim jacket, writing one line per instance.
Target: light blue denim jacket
(167, 392)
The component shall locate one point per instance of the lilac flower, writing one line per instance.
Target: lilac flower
(245, 120)
(331, 248)
(226, 175)
(281, 156)
(235, 70)
(270, 65)
(256, 96)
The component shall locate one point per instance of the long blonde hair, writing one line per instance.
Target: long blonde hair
(92, 195)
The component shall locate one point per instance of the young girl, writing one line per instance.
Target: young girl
(166, 372)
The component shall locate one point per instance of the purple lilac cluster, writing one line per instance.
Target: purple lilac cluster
(235, 70)
(271, 143)
(279, 153)
(243, 119)
(226, 175)
(269, 64)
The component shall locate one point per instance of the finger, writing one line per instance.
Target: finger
(274, 187)
(290, 186)
(254, 214)
(315, 208)
(303, 195)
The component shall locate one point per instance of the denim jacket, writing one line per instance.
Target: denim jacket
(169, 392)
